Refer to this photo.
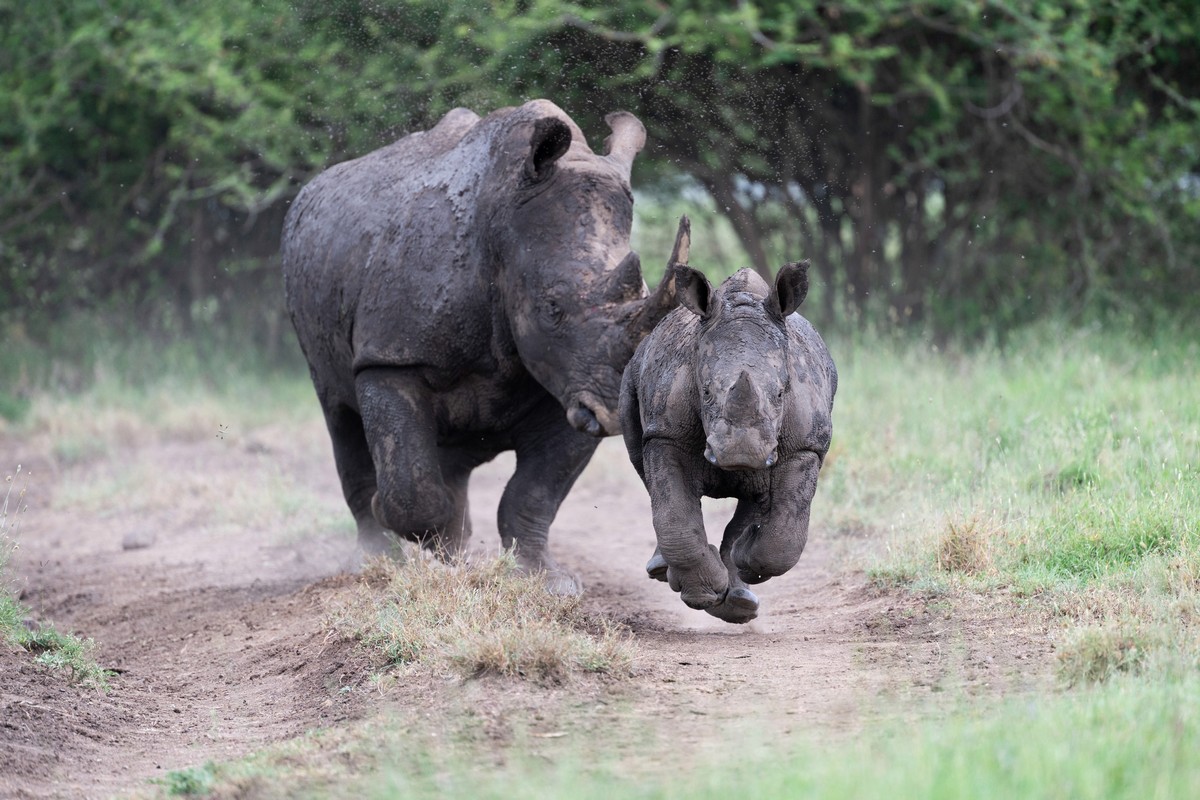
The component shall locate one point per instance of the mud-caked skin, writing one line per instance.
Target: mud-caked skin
(730, 396)
(467, 290)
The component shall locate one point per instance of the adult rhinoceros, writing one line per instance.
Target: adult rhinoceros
(468, 290)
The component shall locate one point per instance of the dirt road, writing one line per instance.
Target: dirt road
(200, 566)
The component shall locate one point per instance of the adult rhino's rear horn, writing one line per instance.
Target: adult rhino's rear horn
(627, 139)
(663, 299)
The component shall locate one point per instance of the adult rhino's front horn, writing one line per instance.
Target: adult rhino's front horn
(663, 299)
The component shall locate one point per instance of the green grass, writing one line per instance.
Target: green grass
(1129, 738)
(1128, 741)
(190, 782)
(1065, 464)
(50, 647)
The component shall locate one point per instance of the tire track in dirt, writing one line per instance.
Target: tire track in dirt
(220, 636)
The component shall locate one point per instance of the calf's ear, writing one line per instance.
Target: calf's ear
(791, 287)
(693, 290)
(550, 140)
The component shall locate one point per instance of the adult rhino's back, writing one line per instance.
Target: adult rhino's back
(358, 246)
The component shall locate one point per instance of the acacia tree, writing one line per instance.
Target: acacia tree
(999, 158)
(971, 151)
(148, 150)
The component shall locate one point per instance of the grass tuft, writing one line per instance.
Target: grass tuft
(966, 547)
(190, 782)
(484, 618)
(1096, 653)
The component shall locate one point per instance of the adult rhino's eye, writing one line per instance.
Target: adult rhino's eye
(552, 314)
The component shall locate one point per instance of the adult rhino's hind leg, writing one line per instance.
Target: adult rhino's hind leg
(457, 465)
(550, 456)
(356, 471)
(411, 497)
(631, 427)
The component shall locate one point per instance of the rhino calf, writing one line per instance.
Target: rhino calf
(731, 395)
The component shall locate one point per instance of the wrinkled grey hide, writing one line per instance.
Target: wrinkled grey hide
(730, 396)
(467, 290)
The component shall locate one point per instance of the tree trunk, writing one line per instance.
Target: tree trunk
(743, 222)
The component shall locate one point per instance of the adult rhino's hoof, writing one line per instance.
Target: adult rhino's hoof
(373, 541)
(562, 584)
(656, 567)
(740, 606)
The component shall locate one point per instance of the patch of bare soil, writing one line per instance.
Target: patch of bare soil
(215, 622)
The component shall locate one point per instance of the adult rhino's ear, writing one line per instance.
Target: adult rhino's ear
(693, 290)
(791, 287)
(550, 140)
(626, 141)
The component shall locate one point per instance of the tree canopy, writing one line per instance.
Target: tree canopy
(967, 162)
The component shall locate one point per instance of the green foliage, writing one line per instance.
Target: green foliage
(50, 647)
(968, 162)
(975, 162)
(150, 148)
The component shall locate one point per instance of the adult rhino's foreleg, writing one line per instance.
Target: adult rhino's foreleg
(694, 567)
(550, 456)
(773, 543)
(411, 497)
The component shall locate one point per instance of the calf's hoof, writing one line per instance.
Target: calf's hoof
(701, 598)
(656, 567)
(739, 606)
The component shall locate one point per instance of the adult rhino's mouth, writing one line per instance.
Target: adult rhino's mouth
(588, 415)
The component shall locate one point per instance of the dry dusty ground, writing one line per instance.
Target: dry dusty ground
(213, 613)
